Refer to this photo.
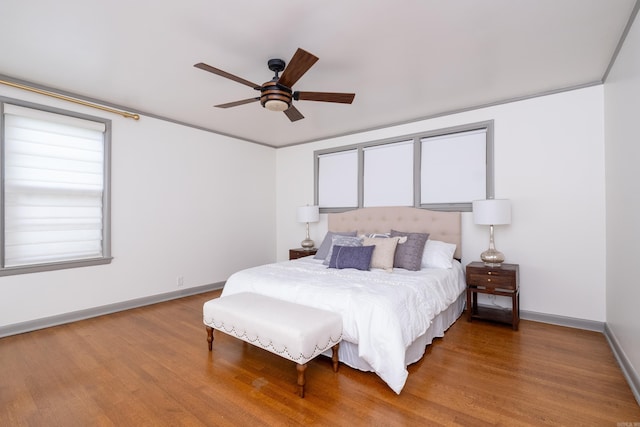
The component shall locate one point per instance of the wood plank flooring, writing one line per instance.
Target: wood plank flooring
(151, 367)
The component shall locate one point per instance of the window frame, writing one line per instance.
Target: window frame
(106, 257)
(487, 126)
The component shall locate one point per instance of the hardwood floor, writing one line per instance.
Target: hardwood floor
(150, 366)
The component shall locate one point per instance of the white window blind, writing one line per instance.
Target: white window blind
(338, 179)
(453, 167)
(53, 189)
(444, 169)
(388, 174)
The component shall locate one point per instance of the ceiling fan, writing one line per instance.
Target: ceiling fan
(277, 93)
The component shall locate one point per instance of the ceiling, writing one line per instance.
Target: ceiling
(404, 59)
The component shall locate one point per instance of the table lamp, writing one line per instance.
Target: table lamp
(308, 214)
(492, 212)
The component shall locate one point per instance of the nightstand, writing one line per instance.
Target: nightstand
(301, 252)
(504, 281)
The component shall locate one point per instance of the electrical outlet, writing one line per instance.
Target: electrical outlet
(180, 281)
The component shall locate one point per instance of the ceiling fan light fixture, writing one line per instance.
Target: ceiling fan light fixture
(275, 97)
(277, 93)
(276, 105)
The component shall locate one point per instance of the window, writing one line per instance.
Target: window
(337, 179)
(55, 191)
(388, 174)
(443, 170)
(453, 167)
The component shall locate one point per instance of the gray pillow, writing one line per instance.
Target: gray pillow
(323, 250)
(358, 257)
(341, 241)
(409, 254)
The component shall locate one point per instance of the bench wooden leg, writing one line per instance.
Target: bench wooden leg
(301, 381)
(334, 357)
(210, 337)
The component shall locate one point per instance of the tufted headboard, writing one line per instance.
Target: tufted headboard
(444, 226)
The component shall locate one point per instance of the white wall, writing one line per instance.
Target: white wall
(548, 160)
(622, 104)
(184, 203)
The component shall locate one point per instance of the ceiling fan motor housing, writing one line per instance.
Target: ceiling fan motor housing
(276, 65)
(275, 97)
(277, 94)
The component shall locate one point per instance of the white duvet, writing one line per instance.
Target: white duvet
(382, 312)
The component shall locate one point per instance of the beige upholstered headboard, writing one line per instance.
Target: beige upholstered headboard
(444, 226)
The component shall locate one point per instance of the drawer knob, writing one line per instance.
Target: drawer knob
(488, 280)
(489, 273)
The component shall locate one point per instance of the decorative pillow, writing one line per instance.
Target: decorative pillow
(341, 241)
(409, 254)
(323, 250)
(438, 254)
(351, 257)
(384, 252)
(376, 235)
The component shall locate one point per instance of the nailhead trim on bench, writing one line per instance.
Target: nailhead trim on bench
(331, 341)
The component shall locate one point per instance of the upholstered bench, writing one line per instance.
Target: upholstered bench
(296, 332)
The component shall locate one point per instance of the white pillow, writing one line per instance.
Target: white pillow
(438, 254)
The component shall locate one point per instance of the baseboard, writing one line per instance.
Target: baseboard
(571, 322)
(633, 379)
(47, 322)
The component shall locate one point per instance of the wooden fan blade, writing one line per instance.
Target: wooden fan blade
(299, 64)
(343, 98)
(229, 76)
(236, 103)
(293, 114)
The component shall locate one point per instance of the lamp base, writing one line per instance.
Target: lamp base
(492, 258)
(307, 244)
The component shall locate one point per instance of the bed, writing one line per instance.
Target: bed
(389, 316)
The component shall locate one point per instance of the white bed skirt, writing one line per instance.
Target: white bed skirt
(348, 352)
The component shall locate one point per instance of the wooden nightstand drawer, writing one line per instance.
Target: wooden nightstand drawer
(504, 277)
(496, 281)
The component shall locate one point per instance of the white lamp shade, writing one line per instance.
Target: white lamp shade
(492, 212)
(308, 214)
